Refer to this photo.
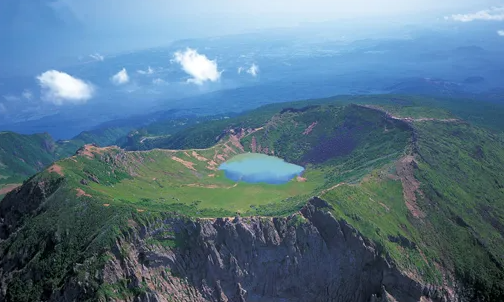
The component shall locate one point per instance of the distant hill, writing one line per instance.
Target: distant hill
(24, 155)
(21, 156)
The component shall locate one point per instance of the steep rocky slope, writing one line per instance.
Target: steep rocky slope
(309, 256)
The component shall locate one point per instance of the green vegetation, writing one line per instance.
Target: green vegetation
(70, 234)
(23, 155)
(186, 184)
(38, 151)
(207, 133)
(189, 182)
(460, 226)
(463, 181)
(158, 134)
(101, 137)
(120, 290)
(376, 208)
(428, 193)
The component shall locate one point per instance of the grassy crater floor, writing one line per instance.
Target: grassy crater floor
(163, 180)
(190, 182)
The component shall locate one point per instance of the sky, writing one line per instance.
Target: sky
(165, 20)
(58, 29)
(47, 41)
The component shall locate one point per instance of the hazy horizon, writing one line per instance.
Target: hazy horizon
(57, 29)
(96, 61)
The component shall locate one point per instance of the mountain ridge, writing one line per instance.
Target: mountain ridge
(391, 183)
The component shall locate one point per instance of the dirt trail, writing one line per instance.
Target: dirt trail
(220, 144)
(331, 188)
(310, 128)
(212, 186)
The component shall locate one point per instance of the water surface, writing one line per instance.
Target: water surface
(256, 168)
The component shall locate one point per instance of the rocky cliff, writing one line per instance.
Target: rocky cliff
(309, 256)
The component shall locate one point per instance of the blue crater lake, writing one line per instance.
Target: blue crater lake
(256, 168)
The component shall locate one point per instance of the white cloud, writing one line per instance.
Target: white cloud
(501, 32)
(59, 88)
(158, 81)
(253, 70)
(97, 57)
(198, 66)
(148, 71)
(492, 14)
(240, 69)
(3, 109)
(121, 77)
(27, 95)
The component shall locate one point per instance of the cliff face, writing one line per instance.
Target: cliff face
(310, 256)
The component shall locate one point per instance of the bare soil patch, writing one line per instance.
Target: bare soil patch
(189, 165)
(56, 169)
(301, 179)
(8, 188)
(199, 157)
(81, 192)
(235, 141)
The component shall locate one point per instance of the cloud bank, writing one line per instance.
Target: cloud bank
(121, 77)
(501, 32)
(60, 88)
(492, 14)
(198, 66)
